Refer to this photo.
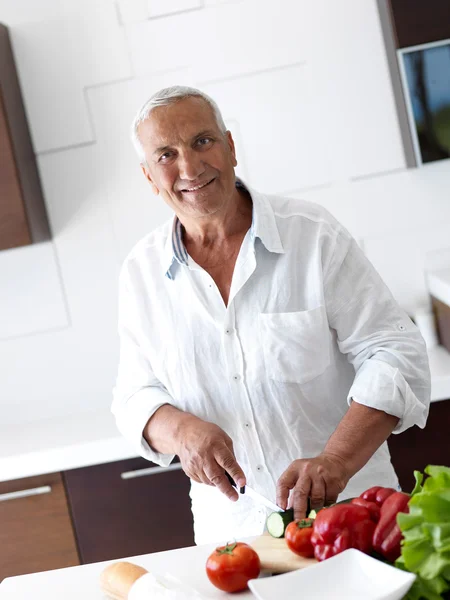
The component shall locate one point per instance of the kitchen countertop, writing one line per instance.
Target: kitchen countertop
(440, 373)
(60, 444)
(88, 439)
(73, 583)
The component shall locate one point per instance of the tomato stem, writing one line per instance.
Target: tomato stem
(304, 523)
(228, 549)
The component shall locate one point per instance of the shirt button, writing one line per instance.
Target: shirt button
(401, 327)
(247, 425)
(236, 377)
(228, 331)
(259, 468)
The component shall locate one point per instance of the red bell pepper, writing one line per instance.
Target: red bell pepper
(340, 527)
(372, 507)
(377, 494)
(387, 535)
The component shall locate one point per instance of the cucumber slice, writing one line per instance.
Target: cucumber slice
(278, 521)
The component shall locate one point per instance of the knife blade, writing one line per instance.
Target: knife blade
(254, 495)
(259, 497)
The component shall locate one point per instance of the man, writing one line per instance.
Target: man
(256, 338)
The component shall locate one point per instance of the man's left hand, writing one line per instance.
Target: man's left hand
(321, 479)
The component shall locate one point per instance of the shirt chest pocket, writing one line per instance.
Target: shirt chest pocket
(296, 345)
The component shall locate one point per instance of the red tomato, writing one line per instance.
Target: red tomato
(298, 537)
(230, 567)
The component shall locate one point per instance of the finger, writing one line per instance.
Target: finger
(216, 476)
(194, 470)
(332, 491)
(191, 471)
(194, 478)
(205, 479)
(290, 501)
(199, 477)
(300, 495)
(318, 493)
(286, 483)
(228, 461)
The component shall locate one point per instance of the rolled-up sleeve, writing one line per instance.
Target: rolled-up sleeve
(385, 348)
(137, 394)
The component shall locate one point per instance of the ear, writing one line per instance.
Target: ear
(147, 176)
(232, 148)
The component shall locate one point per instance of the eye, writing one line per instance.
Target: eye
(204, 141)
(165, 157)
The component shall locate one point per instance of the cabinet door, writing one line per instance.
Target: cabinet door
(35, 527)
(129, 507)
(23, 216)
(416, 448)
(13, 221)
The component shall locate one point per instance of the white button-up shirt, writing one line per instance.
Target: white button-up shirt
(309, 326)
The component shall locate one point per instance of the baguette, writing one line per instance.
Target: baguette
(116, 579)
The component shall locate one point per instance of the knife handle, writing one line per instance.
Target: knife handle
(233, 483)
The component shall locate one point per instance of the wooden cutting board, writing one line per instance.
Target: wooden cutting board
(276, 557)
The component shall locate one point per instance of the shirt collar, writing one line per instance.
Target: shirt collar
(263, 227)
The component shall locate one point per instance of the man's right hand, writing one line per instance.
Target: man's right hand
(206, 452)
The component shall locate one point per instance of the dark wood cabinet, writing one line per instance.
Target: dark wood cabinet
(23, 217)
(419, 21)
(102, 512)
(35, 527)
(128, 508)
(416, 448)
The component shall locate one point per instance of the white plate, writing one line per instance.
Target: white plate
(351, 575)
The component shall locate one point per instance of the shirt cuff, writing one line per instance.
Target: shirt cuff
(132, 417)
(381, 386)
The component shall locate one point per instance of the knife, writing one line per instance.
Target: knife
(259, 498)
(254, 495)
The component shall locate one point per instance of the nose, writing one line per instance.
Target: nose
(190, 165)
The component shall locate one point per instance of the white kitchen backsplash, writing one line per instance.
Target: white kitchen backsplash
(32, 297)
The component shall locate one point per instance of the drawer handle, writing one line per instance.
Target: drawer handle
(150, 471)
(45, 489)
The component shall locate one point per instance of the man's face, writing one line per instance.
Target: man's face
(190, 162)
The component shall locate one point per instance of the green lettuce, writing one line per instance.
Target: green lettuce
(426, 535)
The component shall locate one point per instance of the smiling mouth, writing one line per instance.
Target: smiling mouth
(197, 187)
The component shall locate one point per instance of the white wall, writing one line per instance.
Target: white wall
(305, 89)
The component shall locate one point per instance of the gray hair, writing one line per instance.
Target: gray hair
(165, 97)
